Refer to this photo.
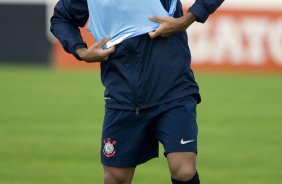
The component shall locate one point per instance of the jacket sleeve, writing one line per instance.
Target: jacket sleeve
(203, 8)
(68, 16)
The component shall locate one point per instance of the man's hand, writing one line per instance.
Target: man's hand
(170, 25)
(95, 53)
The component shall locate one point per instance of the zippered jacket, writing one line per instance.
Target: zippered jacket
(142, 72)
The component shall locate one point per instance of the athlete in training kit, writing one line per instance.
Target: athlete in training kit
(151, 95)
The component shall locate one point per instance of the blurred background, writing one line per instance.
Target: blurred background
(51, 106)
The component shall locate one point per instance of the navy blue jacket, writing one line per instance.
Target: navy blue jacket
(142, 72)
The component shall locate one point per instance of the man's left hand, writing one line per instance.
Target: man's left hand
(170, 25)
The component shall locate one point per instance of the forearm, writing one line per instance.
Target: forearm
(69, 37)
(68, 16)
(203, 8)
(187, 19)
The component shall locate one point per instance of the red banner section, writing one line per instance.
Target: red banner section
(238, 39)
(248, 40)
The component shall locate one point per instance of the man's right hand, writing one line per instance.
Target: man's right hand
(96, 53)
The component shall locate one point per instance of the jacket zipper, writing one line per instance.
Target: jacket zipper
(134, 90)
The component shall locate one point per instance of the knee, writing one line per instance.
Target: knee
(183, 173)
(116, 178)
(182, 165)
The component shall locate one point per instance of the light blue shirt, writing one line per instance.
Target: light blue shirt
(123, 19)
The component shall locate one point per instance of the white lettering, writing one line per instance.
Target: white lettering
(275, 41)
(200, 43)
(255, 29)
(247, 40)
(228, 41)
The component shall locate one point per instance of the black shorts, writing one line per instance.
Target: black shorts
(130, 139)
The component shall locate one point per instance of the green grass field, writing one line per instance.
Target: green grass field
(50, 127)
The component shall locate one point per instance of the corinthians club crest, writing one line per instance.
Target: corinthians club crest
(109, 149)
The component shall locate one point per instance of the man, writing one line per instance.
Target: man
(151, 95)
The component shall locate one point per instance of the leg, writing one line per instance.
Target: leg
(177, 130)
(114, 175)
(182, 166)
(127, 141)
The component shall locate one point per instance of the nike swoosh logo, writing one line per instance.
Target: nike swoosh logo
(186, 142)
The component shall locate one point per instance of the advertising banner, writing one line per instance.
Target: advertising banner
(240, 36)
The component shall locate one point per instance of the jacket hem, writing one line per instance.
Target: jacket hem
(150, 105)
